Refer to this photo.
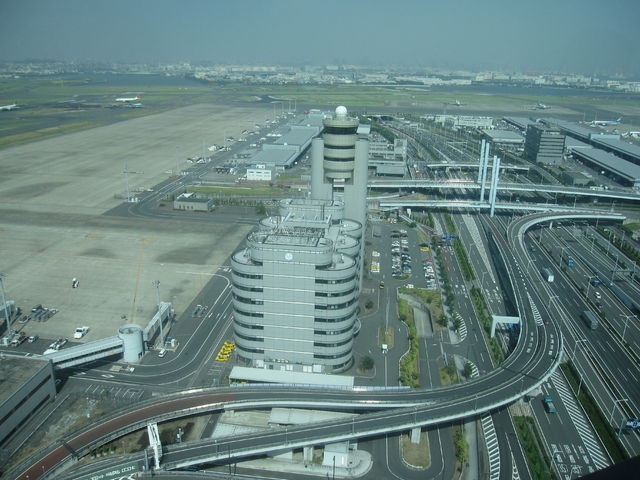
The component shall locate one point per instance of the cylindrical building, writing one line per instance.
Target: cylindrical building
(339, 135)
(131, 335)
(340, 161)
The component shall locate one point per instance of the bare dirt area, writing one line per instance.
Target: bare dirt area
(53, 198)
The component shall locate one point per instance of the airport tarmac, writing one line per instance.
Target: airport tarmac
(53, 198)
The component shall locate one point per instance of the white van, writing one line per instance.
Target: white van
(162, 352)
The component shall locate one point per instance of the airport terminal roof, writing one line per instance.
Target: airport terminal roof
(520, 122)
(572, 143)
(16, 371)
(300, 135)
(278, 157)
(571, 128)
(504, 136)
(618, 145)
(627, 170)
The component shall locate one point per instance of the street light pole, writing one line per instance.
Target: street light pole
(626, 321)
(613, 407)
(156, 283)
(589, 285)
(4, 303)
(575, 346)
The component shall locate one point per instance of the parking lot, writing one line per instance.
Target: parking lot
(55, 196)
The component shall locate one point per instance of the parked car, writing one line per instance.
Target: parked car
(80, 332)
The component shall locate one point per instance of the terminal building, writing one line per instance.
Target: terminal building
(504, 139)
(297, 281)
(544, 144)
(465, 121)
(26, 384)
(388, 159)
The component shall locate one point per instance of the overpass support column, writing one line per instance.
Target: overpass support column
(154, 442)
(307, 454)
(484, 163)
(415, 435)
(495, 319)
(481, 161)
(494, 184)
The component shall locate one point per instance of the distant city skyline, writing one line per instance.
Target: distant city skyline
(571, 36)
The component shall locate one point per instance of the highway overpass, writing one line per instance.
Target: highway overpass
(612, 194)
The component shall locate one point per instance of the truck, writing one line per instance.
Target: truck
(590, 319)
(18, 338)
(547, 274)
(548, 404)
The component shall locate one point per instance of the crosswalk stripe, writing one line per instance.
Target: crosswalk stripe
(580, 421)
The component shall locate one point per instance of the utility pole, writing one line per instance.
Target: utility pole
(126, 173)
(4, 302)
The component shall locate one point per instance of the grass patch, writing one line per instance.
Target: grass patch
(460, 445)
(537, 459)
(448, 375)
(386, 335)
(247, 190)
(416, 454)
(409, 363)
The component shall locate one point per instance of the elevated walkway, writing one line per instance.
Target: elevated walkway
(85, 353)
(107, 347)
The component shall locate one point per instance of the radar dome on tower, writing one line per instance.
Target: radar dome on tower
(341, 111)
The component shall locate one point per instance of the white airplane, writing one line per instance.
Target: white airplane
(457, 103)
(604, 123)
(8, 107)
(128, 99)
(540, 106)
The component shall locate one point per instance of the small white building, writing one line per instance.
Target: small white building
(191, 201)
(260, 173)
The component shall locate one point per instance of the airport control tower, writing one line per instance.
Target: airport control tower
(339, 165)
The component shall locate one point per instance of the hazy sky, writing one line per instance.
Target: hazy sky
(584, 36)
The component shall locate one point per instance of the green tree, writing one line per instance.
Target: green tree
(366, 363)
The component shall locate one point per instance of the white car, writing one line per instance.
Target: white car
(80, 332)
